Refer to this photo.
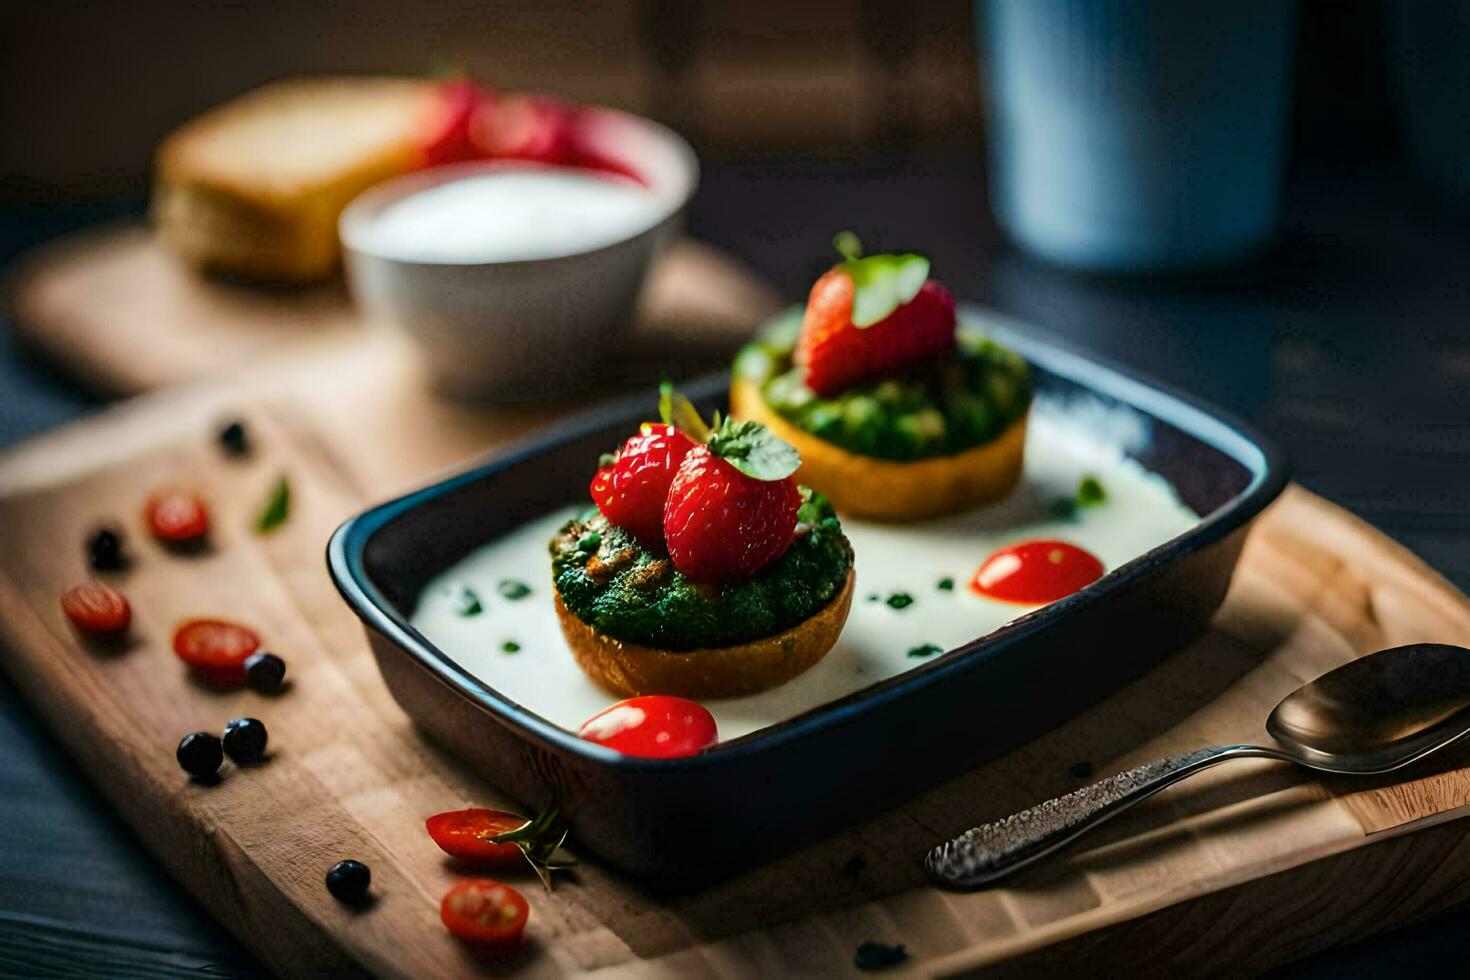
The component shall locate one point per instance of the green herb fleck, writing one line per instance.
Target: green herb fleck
(465, 601)
(1063, 509)
(925, 650)
(1082, 770)
(874, 597)
(511, 646)
(513, 589)
(945, 584)
(900, 600)
(277, 508)
(1090, 492)
(878, 956)
(753, 450)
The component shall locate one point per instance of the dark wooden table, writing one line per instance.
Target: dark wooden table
(1350, 344)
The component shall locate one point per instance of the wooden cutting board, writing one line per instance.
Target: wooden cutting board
(123, 315)
(1243, 867)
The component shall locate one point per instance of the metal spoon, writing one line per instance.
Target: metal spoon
(1373, 715)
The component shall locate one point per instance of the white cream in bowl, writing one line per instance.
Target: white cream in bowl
(511, 215)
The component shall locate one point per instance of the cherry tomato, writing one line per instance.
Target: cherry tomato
(465, 834)
(96, 608)
(176, 517)
(216, 649)
(485, 912)
(1036, 572)
(656, 726)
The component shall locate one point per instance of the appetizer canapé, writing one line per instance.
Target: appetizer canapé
(704, 571)
(896, 415)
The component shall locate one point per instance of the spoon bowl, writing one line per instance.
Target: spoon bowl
(1372, 715)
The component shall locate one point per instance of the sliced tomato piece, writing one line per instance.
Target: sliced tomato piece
(466, 835)
(176, 517)
(656, 726)
(216, 649)
(97, 608)
(1036, 572)
(485, 912)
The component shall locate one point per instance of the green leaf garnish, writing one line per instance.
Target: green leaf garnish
(900, 600)
(880, 283)
(465, 600)
(945, 584)
(925, 650)
(538, 840)
(277, 508)
(753, 450)
(813, 508)
(510, 646)
(678, 411)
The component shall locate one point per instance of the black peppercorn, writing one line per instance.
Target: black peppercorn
(245, 740)
(200, 753)
(104, 550)
(233, 439)
(348, 881)
(265, 672)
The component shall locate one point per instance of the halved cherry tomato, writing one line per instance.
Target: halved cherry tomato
(485, 912)
(465, 834)
(656, 726)
(94, 607)
(216, 649)
(176, 517)
(1036, 572)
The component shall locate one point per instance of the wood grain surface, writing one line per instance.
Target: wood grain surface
(119, 312)
(1247, 865)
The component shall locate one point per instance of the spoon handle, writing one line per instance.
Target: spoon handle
(993, 850)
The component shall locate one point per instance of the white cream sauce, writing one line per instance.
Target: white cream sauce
(1140, 513)
(512, 215)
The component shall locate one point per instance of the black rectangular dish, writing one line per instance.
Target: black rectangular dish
(680, 821)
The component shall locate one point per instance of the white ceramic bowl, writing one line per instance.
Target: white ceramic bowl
(519, 329)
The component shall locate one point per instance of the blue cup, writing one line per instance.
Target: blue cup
(1138, 136)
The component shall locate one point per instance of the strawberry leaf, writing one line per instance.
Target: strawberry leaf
(678, 411)
(753, 450)
(883, 283)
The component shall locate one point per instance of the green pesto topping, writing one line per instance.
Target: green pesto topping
(936, 408)
(925, 650)
(900, 600)
(511, 646)
(514, 589)
(629, 593)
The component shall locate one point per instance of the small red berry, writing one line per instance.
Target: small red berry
(630, 492)
(176, 517)
(836, 354)
(724, 526)
(97, 608)
(447, 133)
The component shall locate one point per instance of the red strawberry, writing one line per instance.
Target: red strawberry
(836, 354)
(630, 492)
(722, 525)
(524, 127)
(448, 131)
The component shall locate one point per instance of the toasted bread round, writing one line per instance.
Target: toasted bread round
(885, 489)
(630, 669)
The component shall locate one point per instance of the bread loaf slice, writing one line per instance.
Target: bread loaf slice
(254, 188)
